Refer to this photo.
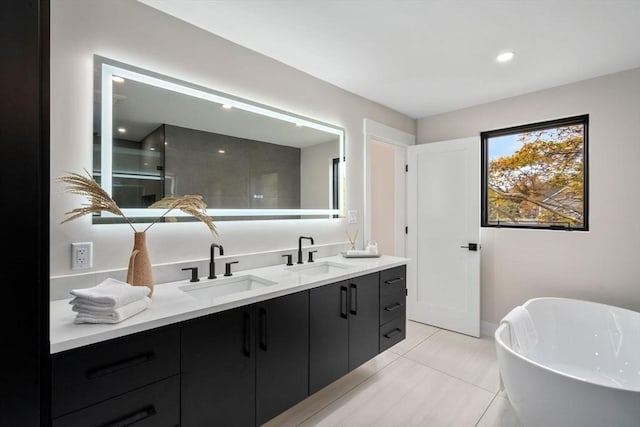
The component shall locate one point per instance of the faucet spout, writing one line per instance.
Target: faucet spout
(300, 247)
(212, 264)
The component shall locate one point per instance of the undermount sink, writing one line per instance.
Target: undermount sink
(320, 267)
(215, 288)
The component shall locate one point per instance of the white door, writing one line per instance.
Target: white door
(443, 216)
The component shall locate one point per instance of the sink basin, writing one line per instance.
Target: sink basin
(215, 288)
(320, 267)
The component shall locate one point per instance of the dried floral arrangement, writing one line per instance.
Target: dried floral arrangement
(99, 200)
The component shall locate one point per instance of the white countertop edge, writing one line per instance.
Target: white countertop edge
(171, 305)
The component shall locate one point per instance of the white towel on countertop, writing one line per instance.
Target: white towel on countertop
(522, 331)
(115, 315)
(110, 293)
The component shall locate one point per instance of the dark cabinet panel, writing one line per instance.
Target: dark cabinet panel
(282, 361)
(392, 333)
(90, 374)
(344, 328)
(393, 306)
(364, 325)
(328, 334)
(218, 369)
(155, 405)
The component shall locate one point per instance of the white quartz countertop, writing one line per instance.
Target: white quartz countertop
(171, 305)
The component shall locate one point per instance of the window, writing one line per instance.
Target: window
(535, 176)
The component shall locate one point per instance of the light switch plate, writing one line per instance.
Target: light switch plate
(353, 217)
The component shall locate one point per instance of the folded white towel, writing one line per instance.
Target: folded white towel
(522, 331)
(115, 315)
(110, 293)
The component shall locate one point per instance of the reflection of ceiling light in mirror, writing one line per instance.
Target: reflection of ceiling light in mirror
(166, 143)
(221, 151)
(505, 57)
(122, 130)
(227, 106)
(146, 164)
(152, 148)
(117, 79)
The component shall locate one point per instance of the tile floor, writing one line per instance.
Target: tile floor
(433, 378)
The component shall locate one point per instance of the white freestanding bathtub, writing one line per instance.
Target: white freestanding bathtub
(584, 370)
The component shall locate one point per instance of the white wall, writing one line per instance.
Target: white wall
(602, 264)
(131, 32)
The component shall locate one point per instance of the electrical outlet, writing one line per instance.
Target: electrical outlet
(81, 255)
(353, 217)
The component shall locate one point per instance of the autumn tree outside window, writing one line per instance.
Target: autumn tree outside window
(535, 175)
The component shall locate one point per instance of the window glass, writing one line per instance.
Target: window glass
(535, 176)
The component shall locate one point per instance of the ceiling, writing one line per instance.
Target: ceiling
(425, 57)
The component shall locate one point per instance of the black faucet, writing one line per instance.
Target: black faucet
(300, 247)
(227, 267)
(212, 264)
(194, 273)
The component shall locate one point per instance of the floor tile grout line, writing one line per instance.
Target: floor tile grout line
(351, 389)
(450, 375)
(417, 344)
(485, 410)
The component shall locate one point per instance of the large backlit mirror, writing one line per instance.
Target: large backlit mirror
(156, 136)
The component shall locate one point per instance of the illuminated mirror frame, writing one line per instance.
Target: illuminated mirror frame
(110, 68)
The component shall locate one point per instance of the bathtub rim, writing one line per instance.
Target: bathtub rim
(506, 347)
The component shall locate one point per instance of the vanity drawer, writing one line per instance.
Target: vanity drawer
(392, 333)
(155, 405)
(393, 284)
(87, 375)
(392, 310)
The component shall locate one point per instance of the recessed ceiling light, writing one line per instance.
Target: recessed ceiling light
(117, 79)
(221, 151)
(227, 106)
(122, 130)
(505, 56)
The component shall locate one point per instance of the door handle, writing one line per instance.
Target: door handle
(471, 246)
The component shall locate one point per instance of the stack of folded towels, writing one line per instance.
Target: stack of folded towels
(111, 301)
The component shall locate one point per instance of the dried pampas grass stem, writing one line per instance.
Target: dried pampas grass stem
(99, 200)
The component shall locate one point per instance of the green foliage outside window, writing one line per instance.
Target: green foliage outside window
(535, 175)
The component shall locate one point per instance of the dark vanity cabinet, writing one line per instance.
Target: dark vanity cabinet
(244, 366)
(343, 328)
(393, 306)
(238, 367)
(218, 369)
(127, 380)
(282, 354)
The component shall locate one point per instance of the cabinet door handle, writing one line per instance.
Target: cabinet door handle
(353, 299)
(343, 302)
(122, 364)
(393, 307)
(133, 418)
(392, 281)
(247, 335)
(263, 329)
(393, 333)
